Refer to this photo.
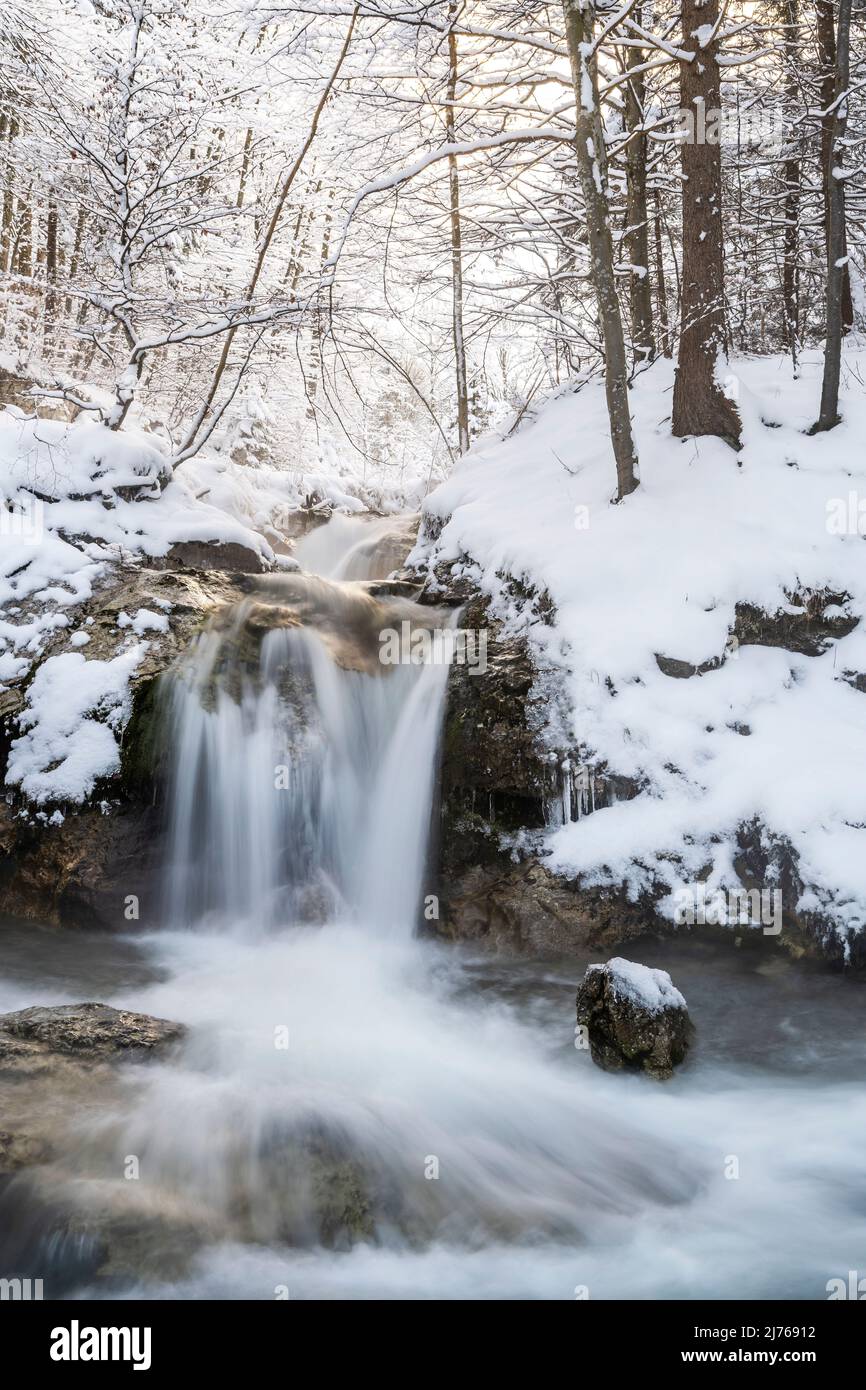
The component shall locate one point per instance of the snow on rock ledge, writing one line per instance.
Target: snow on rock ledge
(742, 572)
(74, 706)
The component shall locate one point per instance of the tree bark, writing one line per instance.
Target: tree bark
(837, 253)
(8, 217)
(317, 335)
(458, 340)
(661, 287)
(791, 264)
(827, 57)
(592, 167)
(637, 218)
(22, 253)
(51, 300)
(700, 405)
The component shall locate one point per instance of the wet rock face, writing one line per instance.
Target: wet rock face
(635, 1018)
(21, 1151)
(32, 1039)
(86, 871)
(498, 788)
(67, 1213)
(518, 905)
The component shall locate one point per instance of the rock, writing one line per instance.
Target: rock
(518, 905)
(17, 387)
(185, 600)
(31, 1039)
(684, 670)
(230, 556)
(812, 620)
(21, 1151)
(81, 873)
(499, 788)
(635, 1017)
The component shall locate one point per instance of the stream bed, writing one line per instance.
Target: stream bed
(505, 1164)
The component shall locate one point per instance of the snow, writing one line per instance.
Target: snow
(653, 990)
(144, 621)
(75, 501)
(74, 706)
(52, 460)
(770, 735)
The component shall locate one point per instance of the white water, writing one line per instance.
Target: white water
(494, 1159)
(314, 808)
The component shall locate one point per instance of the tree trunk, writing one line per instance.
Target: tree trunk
(827, 58)
(8, 217)
(315, 370)
(700, 405)
(51, 301)
(75, 258)
(791, 266)
(637, 219)
(458, 340)
(592, 167)
(661, 288)
(837, 267)
(22, 255)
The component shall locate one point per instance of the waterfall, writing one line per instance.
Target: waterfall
(300, 790)
(359, 1112)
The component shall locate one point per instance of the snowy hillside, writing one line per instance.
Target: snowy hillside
(711, 543)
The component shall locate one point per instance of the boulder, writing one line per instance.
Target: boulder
(635, 1018)
(32, 1039)
(232, 557)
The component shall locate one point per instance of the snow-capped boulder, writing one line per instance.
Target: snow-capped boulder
(635, 1018)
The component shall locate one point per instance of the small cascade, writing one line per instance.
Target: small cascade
(303, 767)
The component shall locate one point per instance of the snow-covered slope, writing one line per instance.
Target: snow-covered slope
(76, 502)
(766, 734)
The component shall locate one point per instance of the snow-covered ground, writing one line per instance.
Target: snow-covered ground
(769, 735)
(75, 502)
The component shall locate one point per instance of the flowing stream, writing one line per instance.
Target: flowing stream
(359, 1112)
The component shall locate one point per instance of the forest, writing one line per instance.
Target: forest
(372, 232)
(432, 668)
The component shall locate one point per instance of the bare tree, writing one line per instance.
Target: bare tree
(637, 216)
(580, 18)
(461, 382)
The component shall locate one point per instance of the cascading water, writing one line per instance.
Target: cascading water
(358, 1112)
(300, 790)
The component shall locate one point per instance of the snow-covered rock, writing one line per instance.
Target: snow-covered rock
(635, 1018)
